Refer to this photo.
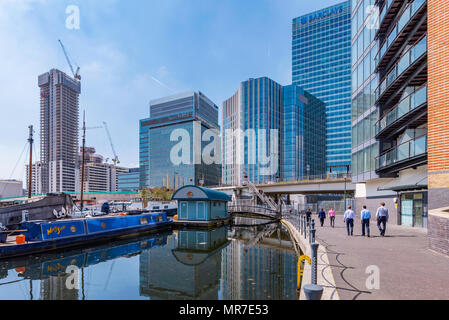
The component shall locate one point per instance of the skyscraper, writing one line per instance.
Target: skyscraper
(59, 130)
(272, 133)
(321, 52)
(173, 120)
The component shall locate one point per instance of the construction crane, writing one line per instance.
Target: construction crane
(75, 74)
(115, 159)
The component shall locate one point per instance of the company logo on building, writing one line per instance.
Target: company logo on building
(322, 14)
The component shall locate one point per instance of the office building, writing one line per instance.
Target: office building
(129, 181)
(171, 142)
(98, 175)
(36, 178)
(59, 130)
(272, 133)
(389, 107)
(10, 188)
(321, 53)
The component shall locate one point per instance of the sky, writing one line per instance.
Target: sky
(133, 51)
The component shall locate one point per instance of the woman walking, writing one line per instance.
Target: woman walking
(332, 217)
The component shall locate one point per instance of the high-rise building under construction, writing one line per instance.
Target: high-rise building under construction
(59, 130)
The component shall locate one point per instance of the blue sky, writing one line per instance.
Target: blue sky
(131, 52)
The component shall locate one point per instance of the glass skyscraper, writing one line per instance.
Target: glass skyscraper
(270, 126)
(188, 115)
(321, 52)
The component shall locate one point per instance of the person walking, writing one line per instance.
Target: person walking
(365, 217)
(322, 216)
(348, 218)
(382, 218)
(332, 217)
(308, 215)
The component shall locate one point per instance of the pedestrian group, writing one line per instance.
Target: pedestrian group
(350, 216)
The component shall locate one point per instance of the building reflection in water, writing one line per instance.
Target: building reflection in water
(189, 267)
(250, 260)
(259, 264)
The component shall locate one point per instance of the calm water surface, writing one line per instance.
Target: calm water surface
(241, 262)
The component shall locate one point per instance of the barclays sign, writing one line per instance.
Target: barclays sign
(322, 14)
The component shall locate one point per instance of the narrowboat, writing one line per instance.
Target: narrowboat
(41, 236)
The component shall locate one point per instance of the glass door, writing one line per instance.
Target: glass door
(407, 210)
(418, 210)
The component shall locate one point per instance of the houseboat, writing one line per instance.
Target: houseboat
(41, 236)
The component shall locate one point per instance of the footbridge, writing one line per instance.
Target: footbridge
(317, 186)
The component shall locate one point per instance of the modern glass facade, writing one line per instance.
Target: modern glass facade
(130, 181)
(364, 84)
(285, 125)
(186, 116)
(322, 65)
(303, 133)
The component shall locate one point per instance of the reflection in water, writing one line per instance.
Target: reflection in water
(243, 262)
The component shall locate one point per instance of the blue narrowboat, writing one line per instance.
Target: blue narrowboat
(42, 236)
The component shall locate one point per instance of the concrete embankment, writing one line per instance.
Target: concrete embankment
(325, 277)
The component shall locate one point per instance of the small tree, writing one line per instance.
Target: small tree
(162, 194)
(145, 195)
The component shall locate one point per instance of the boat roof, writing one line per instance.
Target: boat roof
(193, 193)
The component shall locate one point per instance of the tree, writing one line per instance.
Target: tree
(145, 195)
(162, 194)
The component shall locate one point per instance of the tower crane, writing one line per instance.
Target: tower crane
(115, 159)
(75, 74)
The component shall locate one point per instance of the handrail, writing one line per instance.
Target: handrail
(411, 11)
(388, 79)
(394, 158)
(412, 104)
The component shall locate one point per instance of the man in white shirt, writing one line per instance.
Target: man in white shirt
(365, 217)
(382, 218)
(349, 219)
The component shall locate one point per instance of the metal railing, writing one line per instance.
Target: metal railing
(407, 60)
(407, 104)
(262, 196)
(404, 151)
(407, 15)
(306, 227)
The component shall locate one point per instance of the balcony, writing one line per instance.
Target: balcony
(388, 13)
(407, 155)
(410, 111)
(413, 14)
(409, 63)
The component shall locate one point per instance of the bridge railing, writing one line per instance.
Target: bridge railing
(244, 208)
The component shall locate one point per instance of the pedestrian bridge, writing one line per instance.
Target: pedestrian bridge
(319, 186)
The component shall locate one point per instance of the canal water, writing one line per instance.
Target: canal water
(250, 260)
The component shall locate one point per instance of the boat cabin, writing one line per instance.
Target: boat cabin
(201, 204)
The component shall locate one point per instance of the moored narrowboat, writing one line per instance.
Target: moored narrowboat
(42, 236)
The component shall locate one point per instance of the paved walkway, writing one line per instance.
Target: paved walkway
(408, 269)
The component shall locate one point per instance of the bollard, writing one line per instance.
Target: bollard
(305, 227)
(314, 247)
(313, 292)
(312, 231)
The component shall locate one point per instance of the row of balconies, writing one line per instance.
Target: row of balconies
(414, 12)
(402, 67)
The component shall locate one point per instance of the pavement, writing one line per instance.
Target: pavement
(407, 269)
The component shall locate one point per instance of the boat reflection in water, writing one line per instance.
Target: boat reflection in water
(240, 262)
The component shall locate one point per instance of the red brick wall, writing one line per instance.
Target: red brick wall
(438, 81)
